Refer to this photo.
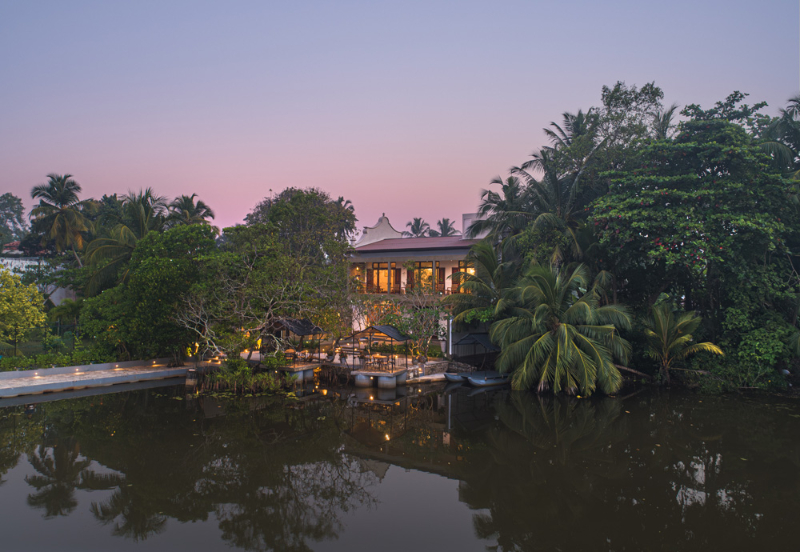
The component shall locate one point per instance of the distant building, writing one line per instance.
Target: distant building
(13, 261)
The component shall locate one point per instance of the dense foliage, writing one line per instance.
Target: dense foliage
(699, 217)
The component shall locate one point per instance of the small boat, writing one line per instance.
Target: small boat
(487, 379)
(454, 378)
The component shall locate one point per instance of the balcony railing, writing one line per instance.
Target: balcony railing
(401, 290)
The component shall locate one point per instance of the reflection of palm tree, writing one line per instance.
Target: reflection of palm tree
(59, 470)
(540, 474)
(136, 520)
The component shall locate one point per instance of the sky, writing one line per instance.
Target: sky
(405, 108)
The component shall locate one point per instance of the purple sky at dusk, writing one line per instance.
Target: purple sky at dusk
(407, 108)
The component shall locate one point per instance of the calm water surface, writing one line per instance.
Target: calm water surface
(158, 469)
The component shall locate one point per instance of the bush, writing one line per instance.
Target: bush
(238, 377)
(48, 360)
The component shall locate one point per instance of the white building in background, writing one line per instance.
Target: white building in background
(21, 264)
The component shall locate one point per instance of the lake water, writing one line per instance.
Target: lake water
(158, 469)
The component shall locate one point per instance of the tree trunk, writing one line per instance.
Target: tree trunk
(80, 264)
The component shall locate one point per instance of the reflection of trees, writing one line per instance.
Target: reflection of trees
(567, 474)
(542, 467)
(60, 470)
(130, 518)
(274, 477)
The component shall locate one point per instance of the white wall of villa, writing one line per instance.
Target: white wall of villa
(383, 230)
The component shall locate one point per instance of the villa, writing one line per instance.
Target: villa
(387, 263)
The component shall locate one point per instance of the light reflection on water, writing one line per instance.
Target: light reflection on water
(155, 469)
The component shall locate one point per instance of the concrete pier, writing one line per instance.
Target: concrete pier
(51, 380)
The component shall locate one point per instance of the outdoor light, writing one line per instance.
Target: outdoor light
(371, 397)
(387, 436)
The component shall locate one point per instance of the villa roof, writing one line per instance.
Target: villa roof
(478, 339)
(417, 244)
(302, 327)
(388, 331)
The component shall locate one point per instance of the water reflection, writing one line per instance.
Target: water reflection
(647, 472)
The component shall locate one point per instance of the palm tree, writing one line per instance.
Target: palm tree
(663, 125)
(555, 201)
(446, 228)
(59, 213)
(669, 337)
(143, 212)
(417, 228)
(481, 291)
(67, 312)
(557, 335)
(502, 215)
(573, 126)
(184, 210)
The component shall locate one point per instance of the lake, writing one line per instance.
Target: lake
(434, 469)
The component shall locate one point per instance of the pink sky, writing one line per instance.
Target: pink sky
(408, 109)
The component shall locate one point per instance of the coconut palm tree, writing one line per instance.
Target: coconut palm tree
(417, 228)
(183, 210)
(481, 290)
(663, 124)
(143, 212)
(59, 214)
(669, 337)
(505, 214)
(573, 126)
(555, 202)
(557, 335)
(446, 228)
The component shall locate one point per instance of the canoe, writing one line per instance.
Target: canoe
(453, 378)
(487, 379)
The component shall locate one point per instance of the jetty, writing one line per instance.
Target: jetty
(52, 380)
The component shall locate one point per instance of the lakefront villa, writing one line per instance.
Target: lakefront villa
(385, 262)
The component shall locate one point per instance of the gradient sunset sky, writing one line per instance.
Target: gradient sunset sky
(407, 108)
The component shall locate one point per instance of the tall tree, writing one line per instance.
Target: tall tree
(12, 219)
(59, 214)
(184, 210)
(109, 254)
(417, 228)
(309, 223)
(505, 214)
(445, 228)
